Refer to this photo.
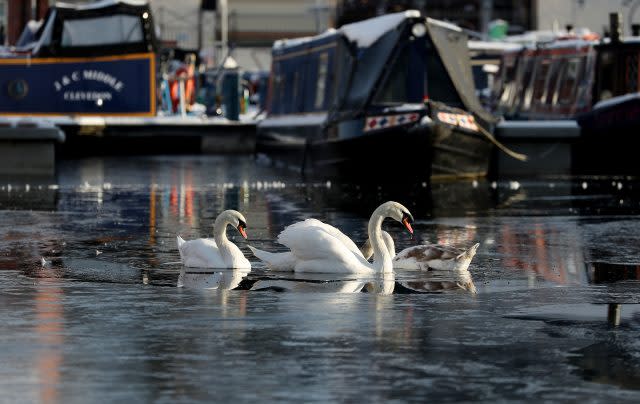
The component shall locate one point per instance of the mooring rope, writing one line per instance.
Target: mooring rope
(499, 145)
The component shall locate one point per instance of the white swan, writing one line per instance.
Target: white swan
(317, 247)
(219, 252)
(426, 256)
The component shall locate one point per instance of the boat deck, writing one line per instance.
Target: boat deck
(97, 135)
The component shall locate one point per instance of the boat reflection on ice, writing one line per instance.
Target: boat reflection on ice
(223, 279)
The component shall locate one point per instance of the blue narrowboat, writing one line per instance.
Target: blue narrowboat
(389, 98)
(94, 59)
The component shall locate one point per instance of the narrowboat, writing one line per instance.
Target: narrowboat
(391, 98)
(92, 59)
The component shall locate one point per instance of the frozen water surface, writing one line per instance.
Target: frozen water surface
(91, 310)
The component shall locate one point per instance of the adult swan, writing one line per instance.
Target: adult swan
(219, 252)
(316, 247)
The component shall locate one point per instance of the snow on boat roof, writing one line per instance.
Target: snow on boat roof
(568, 43)
(365, 33)
(616, 100)
(623, 40)
(102, 4)
(282, 43)
(444, 24)
(493, 46)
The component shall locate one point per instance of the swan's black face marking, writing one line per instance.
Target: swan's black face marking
(241, 226)
(407, 219)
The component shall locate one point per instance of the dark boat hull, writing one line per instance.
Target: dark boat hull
(421, 153)
(609, 139)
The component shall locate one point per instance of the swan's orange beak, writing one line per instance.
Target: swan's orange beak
(241, 228)
(406, 223)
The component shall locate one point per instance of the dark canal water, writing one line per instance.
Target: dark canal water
(102, 317)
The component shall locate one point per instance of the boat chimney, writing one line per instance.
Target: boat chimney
(615, 26)
(635, 29)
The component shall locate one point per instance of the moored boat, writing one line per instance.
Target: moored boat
(571, 104)
(93, 59)
(95, 70)
(390, 98)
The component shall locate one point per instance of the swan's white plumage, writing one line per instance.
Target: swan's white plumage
(200, 253)
(332, 231)
(286, 261)
(318, 250)
(281, 261)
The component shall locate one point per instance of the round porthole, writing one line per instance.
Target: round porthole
(18, 89)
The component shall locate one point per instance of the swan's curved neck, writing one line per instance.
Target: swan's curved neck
(220, 232)
(381, 256)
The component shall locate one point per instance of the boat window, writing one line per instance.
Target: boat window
(540, 81)
(296, 93)
(323, 68)
(108, 30)
(505, 87)
(278, 88)
(568, 81)
(394, 90)
(556, 70)
(520, 101)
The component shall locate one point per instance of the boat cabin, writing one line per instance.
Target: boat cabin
(387, 62)
(545, 81)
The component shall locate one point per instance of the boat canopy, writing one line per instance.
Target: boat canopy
(96, 29)
(452, 47)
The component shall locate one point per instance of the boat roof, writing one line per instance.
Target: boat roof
(102, 4)
(363, 33)
(616, 100)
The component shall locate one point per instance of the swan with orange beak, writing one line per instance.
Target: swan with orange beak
(219, 252)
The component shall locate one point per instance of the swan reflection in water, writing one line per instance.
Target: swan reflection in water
(223, 279)
(436, 281)
(406, 281)
(382, 284)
